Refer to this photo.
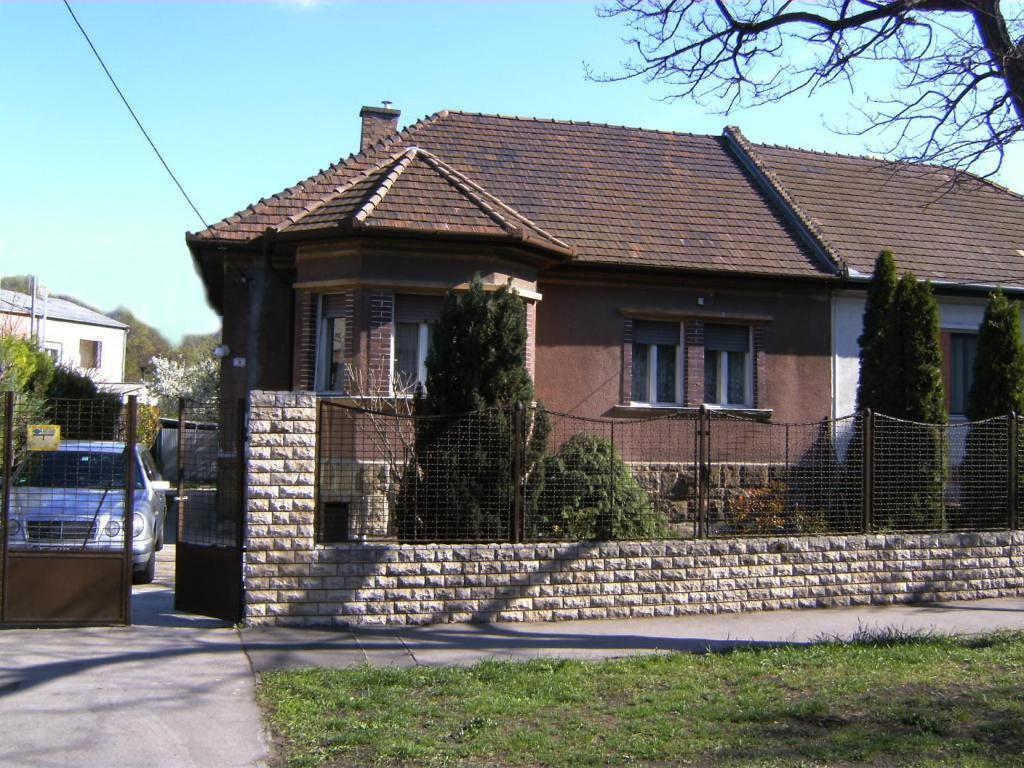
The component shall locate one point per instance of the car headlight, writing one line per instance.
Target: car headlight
(112, 528)
(13, 527)
(138, 524)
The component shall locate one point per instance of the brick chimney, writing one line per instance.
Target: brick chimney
(378, 122)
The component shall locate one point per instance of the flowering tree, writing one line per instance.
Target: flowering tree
(197, 380)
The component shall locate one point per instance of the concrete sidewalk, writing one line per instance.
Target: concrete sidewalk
(178, 691)
(171, 691)
(464, 644)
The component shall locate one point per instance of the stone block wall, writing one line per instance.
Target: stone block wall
(289, 579)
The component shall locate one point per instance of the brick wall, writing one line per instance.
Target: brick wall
(291, 580)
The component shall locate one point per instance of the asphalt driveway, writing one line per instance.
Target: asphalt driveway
(171, 690)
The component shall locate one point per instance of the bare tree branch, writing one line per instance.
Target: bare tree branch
(958, 99)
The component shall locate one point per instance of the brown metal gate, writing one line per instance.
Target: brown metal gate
(70, 471)
(211, 495)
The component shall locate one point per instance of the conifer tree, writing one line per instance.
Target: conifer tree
(998, 387)
(910, 453)
(462, 483)
(998, 390)
(876, 307)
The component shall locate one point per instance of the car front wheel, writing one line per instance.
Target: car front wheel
(147, 572)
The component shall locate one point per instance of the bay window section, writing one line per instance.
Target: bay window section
(656, 366)
(727, 365)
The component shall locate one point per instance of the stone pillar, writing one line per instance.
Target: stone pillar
(281, 472)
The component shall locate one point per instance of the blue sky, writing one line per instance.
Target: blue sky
(244, 99)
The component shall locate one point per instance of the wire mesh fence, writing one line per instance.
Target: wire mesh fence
(69, 469)
(529, 474)
(209, 471)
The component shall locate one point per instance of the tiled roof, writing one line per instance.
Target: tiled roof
(615, 195)
(415, 191)
(971, 232)
(12, 302)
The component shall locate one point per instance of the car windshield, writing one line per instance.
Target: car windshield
(73, 469)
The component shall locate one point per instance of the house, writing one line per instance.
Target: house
(661, 270)
(73, 335)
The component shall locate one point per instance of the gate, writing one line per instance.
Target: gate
(70, 470)
(210, 475)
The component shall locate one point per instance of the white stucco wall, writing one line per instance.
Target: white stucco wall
(955, 314)
(65, 338)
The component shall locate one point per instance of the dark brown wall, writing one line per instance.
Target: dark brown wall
(580, 341)
(254, 292)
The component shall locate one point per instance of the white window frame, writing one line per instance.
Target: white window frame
(652, 377)
(722, 376)
(322, 367)
(422, 342)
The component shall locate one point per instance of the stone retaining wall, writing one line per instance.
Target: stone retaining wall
(289, 579)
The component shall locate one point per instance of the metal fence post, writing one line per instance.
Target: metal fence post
(703, 472)
(1012, 469)
(609, 525)
(868, 470)
(129, 502)
(518, 430)
(8, 448)
(182, 437)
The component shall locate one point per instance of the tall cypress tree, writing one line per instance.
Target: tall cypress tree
(998, 390)
(910, 457)
(911, 354)
(998, 385)
(876, 308)
(461, 484)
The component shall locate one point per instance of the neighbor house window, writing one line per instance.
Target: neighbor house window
(415, 317)
(89, 354)
(656, 364)
(332, 359)
(727, 365)
(962, 349)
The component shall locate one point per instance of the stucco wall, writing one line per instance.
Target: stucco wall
(580, 341)
(289, 579)
(955, 314)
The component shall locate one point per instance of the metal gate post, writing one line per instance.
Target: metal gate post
(518, 417)
(182, 437)
(128, 528)
(8, 448)
(1012, 468)
(703, 471)
(868, 470)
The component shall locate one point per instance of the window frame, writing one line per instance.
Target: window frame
(953, 334)
(652, 374)
(722, 374)
(322, 367)
(97, 349)
(422, 348)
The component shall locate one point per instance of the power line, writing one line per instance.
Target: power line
(134, 116)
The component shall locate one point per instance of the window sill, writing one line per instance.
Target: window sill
(643, 409)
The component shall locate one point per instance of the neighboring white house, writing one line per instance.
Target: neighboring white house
(73, 335)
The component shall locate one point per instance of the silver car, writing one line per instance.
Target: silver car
(73, 499)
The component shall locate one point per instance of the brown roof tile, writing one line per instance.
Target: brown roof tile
(615, 195)
(968, 233)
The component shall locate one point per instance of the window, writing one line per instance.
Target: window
(53, 349)
(414, 321)
(88, 354)
(332, 361)
(962, 349)
(727, 368)
(656, 364)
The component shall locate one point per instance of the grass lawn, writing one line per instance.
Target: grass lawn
(885, 701)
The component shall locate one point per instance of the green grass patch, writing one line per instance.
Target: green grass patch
(886, 700)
